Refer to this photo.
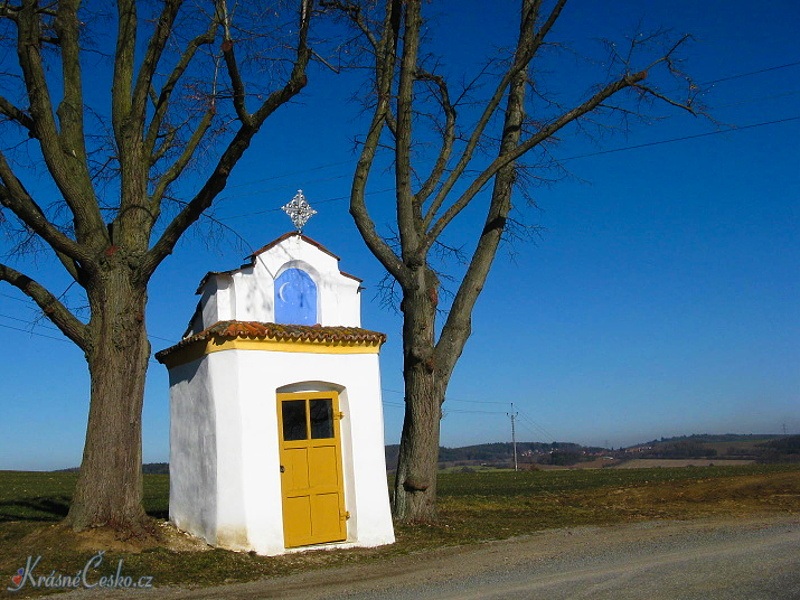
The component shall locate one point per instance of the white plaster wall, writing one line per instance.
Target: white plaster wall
(231, 422)
(254, 300)
(206, 455)
(193, 451)
(209, 312)
(249, 293)
(338, 298)
(216, 300)
(364, 468)
(225, 481)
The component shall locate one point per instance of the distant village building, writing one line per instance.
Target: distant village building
(276, 422)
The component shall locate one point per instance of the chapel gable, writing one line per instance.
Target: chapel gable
(293, 280)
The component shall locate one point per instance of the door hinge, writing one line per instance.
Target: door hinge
(340, 415)
(345, 515)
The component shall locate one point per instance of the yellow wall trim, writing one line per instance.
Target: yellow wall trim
(201, 348)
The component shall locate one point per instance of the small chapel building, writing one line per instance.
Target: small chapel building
(276, 421)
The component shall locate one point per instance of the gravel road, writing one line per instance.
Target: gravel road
(746, 559)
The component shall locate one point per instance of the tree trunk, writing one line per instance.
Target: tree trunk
(109, 487)
(415, 482)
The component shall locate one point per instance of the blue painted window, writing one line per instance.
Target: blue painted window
(295, 298)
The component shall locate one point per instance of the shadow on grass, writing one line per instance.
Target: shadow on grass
(160, 514)
(50, 509)
(41, 509)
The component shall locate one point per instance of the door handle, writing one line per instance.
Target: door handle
(283, 469)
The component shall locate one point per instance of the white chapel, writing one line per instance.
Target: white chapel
(276, 422)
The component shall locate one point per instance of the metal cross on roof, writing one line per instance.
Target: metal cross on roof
(299, 210)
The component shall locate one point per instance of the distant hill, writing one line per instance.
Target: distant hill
(760, 447)
(757, 447)
(784, 449)
(501, 454)
(156, 469)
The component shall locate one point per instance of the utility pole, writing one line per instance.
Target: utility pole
(513, 416)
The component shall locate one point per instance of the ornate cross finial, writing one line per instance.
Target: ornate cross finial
(299, 210)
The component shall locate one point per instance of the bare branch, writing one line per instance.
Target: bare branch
(628, 80)
(63, 151)
(53, 309)
(664, 98)
(16, 114)
(70, 110)
(162, 103)
(448, 135)
(16, 198)
(530, 41)
(407, 210)
(217, 180)
(233, 67)
(177, 167)
(354, 12)
(124, 57)
(386, 57)
(155, 48)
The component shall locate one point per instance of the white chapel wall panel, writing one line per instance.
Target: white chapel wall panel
(193, 451)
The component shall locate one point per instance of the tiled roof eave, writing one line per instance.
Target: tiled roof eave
(255, 330)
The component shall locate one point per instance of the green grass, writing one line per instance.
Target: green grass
(34, 496)
(476, 506)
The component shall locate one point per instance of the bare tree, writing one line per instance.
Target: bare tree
(114, 150)
(448, 150)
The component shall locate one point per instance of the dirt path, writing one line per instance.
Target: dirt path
(749, 559)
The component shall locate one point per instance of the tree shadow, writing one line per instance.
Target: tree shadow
(160, 514)
(39, 509)
(51, 508)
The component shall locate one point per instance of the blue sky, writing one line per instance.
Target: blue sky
(660, 298)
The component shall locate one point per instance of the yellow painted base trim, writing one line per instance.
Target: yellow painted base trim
(203, 348)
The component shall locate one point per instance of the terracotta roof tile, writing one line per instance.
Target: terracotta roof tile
(275, 331)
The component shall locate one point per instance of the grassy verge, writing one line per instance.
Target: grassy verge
(473, 507)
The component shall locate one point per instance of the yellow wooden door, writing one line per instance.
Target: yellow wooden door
(311, 469)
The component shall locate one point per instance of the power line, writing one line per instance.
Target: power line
(44, 335)
(50, 337)
(393, 404)
(538, 427)
(748, 74)
(316, 202)
(449, 398)
(474, 412)
(534, 434)
(683, 138)
(47, 325)
(289, 174)
(453, 410)
(344, 162)
(25, 300)
(731, 129)
(757, 99)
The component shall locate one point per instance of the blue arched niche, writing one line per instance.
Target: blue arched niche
(295, 298)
